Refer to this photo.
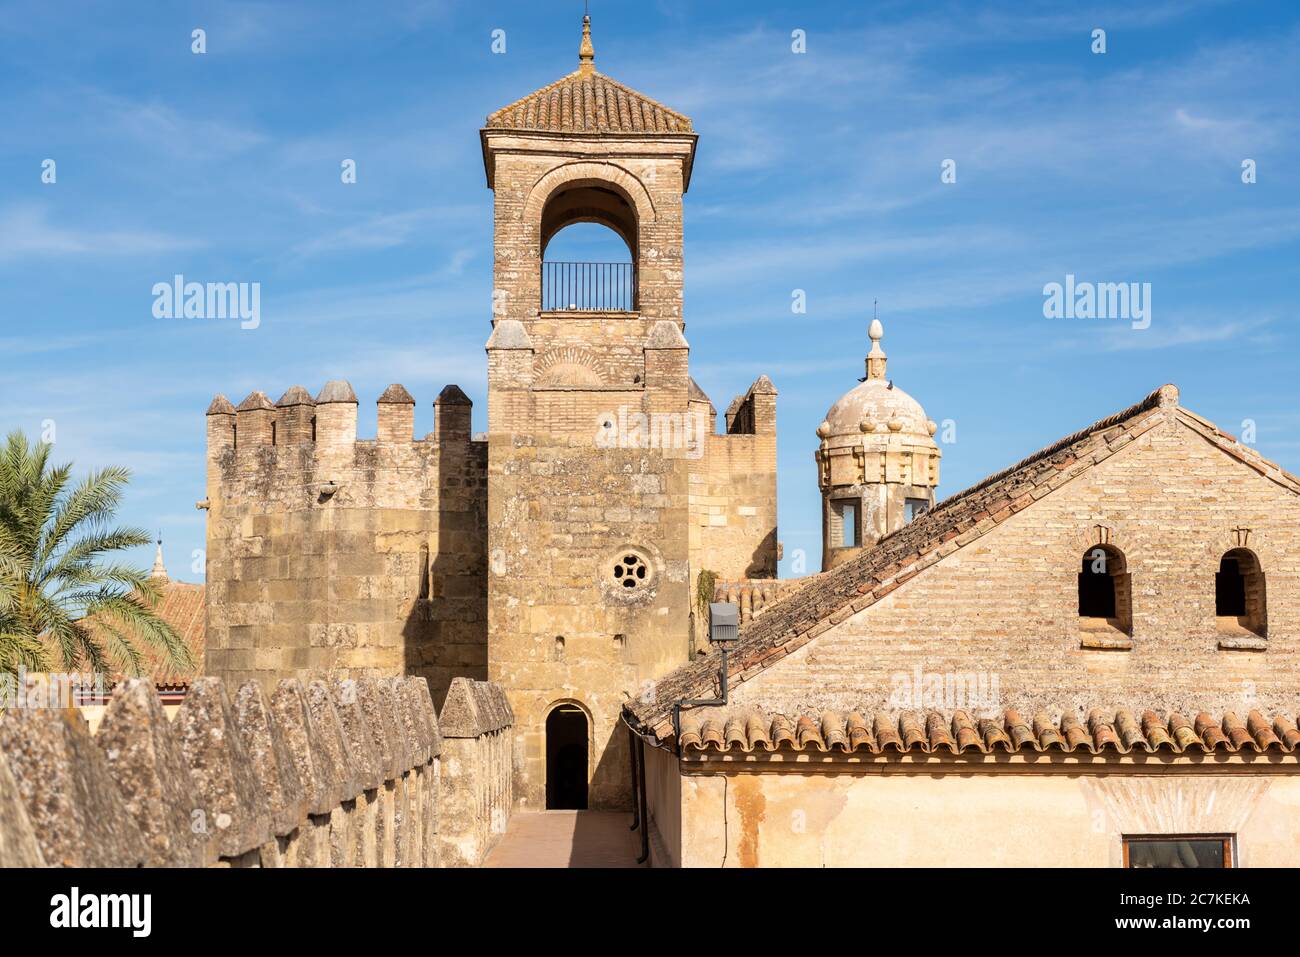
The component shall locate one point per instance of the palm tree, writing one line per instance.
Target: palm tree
(57, 570)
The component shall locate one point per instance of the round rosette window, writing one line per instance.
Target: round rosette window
(631, 570)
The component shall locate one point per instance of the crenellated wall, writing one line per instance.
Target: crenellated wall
(329, 552)
(333, 773)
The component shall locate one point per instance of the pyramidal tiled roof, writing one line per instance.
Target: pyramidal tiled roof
(591, 103)
(586, 101)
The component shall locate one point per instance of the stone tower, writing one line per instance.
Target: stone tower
(608, 490)
(877, 464)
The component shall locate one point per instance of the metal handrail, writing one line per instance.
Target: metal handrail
(588, 287)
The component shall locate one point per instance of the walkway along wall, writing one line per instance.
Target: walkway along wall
(331, 773)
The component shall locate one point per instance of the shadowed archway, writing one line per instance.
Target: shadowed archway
(567, 746)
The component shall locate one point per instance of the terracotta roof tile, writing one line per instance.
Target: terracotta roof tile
(591, 103)
(956, 732)
(182, 605)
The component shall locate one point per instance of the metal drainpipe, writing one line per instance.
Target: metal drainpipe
(699, 703)
(636, 791)
(645, 820)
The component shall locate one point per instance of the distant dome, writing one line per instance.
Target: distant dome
(875, 406)
(872, 406)
(877, 461)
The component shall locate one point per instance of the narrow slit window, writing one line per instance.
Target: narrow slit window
(844, 530)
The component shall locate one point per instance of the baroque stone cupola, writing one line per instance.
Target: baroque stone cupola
(877, 463)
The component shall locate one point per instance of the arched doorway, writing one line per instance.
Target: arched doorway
(566, 758)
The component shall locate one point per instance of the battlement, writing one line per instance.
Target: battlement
(753, 413)
(366, 556)
(329, 421)
(321, 772)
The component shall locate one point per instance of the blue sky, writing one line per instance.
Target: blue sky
(817, 171)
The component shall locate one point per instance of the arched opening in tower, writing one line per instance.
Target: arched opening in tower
(589, 243)
(566, 759)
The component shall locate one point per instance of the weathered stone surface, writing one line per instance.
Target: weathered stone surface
(357, 734)
(232, 803)
(489, 704)
(71, 799)
(460, 712)
(146, 760)
(320, 776)
(18, 846)
(426, 708)
(272, 758)
(383, 728)
(417, 720)
(320, 702)
(409, 747)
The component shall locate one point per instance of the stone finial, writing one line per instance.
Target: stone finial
(220, 406)
(273, 763)
(18, 845)
(509, 334)
(383, 730)
(586, 52)
(876, 357)
(146, 760)
(460, 714)
(396, 394)
(489, 714)
(295, 395)
(762, 386)
(320, 703)
(425, 729)
(228, 791)
(336, 390)
(399, 743)
(72, 802)
(320, 777)
(356, 732)
(1168, 394)
(255, 401)
(453, 395)
(414, 749)
(425, 697)
(666, 334)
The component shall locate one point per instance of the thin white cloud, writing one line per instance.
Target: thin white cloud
(26, 231)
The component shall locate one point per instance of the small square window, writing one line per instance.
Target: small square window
(915, 507)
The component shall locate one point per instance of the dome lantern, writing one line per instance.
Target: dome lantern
(878, 464)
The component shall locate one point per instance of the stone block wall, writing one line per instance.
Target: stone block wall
(1005, 607)
(477, 782)
(331, 773)
(361, 557)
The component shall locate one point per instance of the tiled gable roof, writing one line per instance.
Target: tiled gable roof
(588, 103)
(847, 589)
(957, 733)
